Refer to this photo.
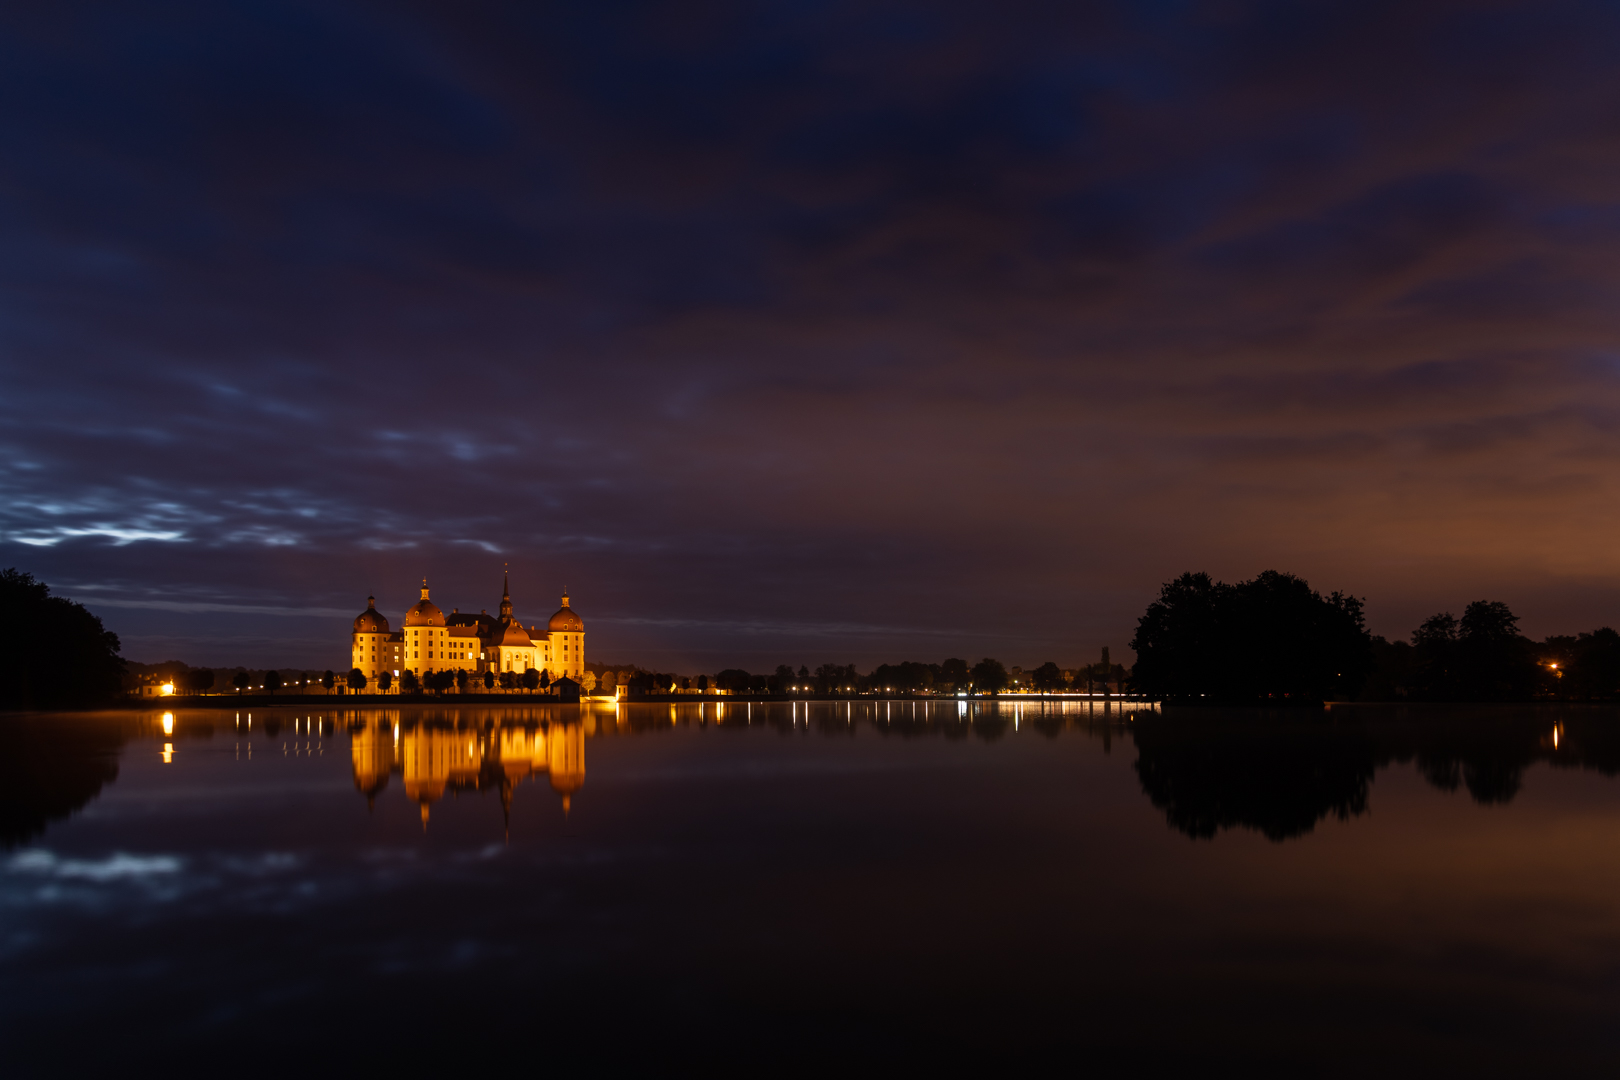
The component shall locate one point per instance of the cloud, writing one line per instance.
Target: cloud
(118, 867)
(994, 318)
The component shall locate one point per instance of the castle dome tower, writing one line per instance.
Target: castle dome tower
(566, 620)
(370, 621)
(424, 612)
(372, 649)
(566, 643)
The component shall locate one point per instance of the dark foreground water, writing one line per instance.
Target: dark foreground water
(843, 888)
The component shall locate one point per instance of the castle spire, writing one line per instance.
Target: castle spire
(506, 595)
(424, 589)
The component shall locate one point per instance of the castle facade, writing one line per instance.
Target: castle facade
(432, 641)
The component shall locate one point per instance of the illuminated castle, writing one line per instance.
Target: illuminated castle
(431, 641)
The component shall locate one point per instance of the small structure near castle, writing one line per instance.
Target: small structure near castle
(431, 641)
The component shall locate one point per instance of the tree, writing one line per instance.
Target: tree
(461, 680)
(53, 652)
(509, 681)
(199, 680)
(1496, 662)
(409, 683)
(328, 680)
(545, 679)
(489, 680)
(989, 676)
(241, 682)
(357, 679)
(1268, 640)
(1048, 678)
(1594, 665)
(531, 679)
(1434, 658)
(954, 673)
(1480, 657)
(734, 679)
(385, 680)
(703, 684)
(1393, 672)
(272, 681)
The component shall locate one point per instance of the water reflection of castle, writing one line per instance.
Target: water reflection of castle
(435, 760)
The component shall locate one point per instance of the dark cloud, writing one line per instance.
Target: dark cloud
(805, 331)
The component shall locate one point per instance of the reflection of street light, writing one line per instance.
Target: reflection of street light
(168, 723)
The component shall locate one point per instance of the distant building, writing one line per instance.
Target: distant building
(431, 641)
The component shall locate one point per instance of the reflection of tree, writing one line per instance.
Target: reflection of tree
(1278, 776)
(990, 726)
(49, 769)
(1281, 774)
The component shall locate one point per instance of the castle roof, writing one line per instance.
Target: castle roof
(370, 621)
(424, 612)
(510, 632)
(566, 619)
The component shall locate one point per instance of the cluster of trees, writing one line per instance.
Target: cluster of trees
(460, 679)
(1482, 656)
(1275, 640)
(53, 653)
(1270, 640)
(988, 676)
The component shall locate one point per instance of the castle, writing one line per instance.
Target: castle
(431, 641)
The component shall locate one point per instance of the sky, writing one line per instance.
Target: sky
(805, 332)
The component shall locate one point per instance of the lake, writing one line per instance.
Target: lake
(854, 886)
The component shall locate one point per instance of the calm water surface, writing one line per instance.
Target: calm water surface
(853, 887)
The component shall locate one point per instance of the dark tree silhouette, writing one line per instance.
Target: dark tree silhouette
(53, 653)
(357, 679)
(509, 681)
(241, 682)
(385, 680)
(272, 681)
(954, 673)
(531, 680)
(1272, 640)
(1496, 662)
(199, 680)
(1048, 678)
(328, 680)
(1594, 666)
(545, 679)
(409, 683)
(461, 680)
(989, 676)
(489, 680)
(1480, 657)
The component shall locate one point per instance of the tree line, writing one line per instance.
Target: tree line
(949, 676)
(1274, 640)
